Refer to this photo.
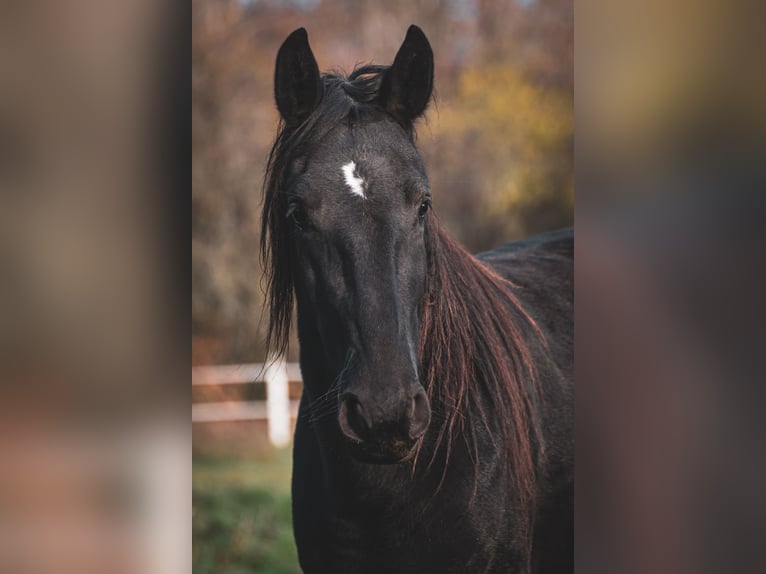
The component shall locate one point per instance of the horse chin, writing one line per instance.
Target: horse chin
(383, 453)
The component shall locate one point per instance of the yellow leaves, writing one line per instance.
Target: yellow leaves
(509, 110)
(515, 136)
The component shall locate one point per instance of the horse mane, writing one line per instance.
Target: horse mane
(471, 323)
(471, 320)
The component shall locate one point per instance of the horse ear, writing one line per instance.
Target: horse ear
(407, 86)
(297, 85)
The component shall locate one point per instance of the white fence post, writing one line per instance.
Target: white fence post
(278, 401)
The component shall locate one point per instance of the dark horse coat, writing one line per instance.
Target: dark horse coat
(435, 428)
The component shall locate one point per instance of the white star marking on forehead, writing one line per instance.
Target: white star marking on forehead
(353, 181)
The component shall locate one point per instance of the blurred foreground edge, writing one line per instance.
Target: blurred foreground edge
(670, 277)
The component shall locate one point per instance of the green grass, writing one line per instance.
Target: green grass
(270, 472)
(242, 520)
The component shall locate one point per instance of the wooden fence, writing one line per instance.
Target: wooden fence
(277, 409)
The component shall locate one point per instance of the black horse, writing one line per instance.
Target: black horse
(435, 427)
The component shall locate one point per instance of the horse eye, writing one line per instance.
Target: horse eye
(424, 205)
(297, 215)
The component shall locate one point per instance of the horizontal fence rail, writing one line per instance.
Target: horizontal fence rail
(277, 409)
(239, 374)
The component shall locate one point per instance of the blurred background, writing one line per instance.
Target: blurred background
(498, 146)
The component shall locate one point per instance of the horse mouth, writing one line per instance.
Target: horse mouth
(394, 451)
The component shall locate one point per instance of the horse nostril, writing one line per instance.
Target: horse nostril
(353, 419)
(421, 415)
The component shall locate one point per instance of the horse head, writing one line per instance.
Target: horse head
(353, 197)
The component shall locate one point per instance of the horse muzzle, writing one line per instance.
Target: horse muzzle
(384, 432)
